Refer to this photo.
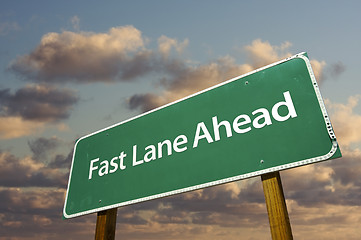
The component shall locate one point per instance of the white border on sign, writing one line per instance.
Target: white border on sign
(226, 180)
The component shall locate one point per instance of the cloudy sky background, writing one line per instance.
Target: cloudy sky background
(69, 69)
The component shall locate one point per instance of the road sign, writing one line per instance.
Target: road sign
(267, 120)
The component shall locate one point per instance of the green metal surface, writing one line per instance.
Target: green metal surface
(197, 160)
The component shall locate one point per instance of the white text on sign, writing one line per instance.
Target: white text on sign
(243, 123)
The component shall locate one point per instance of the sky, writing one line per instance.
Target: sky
(70, 68)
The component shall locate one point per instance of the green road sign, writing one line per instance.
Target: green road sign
(268, 120)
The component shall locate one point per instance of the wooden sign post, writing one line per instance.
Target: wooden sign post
(106, 223)
(276, 206)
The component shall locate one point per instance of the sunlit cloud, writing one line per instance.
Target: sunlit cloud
(261, 53)
(165, 45)
(318, 67)
(15, 127)
(84, 56)
(346, 122)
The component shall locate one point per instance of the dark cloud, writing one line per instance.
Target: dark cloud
(61, 161)
(139, 65)
(332, 182)
(27, 172)
(145, 102)
(38, 103)
(335, 70)
(41, 146)
(347, 170)
(26, 213)
(35, 201)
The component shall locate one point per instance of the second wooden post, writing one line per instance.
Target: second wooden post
(276, 207)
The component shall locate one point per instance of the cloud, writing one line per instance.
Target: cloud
(27, 172)
(261, 53)
(37, 103)
(323, 71)
(218, 206)
(182, 79)
(15, 127)
(165, 45)
(146, 102)
(346, 184)
(40, 147)
(335, 70)
(318, 67)
(20, 200)
(33, 108)
(29, 212)
(62, 161)
(315, 188)
(121, 55)
(345, 121)
(84, 57)
(325, 221)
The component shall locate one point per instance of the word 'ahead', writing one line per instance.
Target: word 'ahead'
(267, 120)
